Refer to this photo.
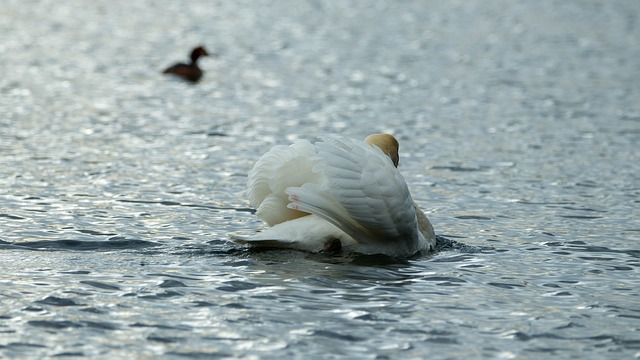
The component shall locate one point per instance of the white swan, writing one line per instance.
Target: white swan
(337, 194)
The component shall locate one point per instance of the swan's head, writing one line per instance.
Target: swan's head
(387, 143)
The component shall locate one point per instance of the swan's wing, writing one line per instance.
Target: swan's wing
(280, 168)
(364, 194)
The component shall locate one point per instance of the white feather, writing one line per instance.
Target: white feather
(280, 168)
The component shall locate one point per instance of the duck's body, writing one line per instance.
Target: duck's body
(191, 71)
(337, 194)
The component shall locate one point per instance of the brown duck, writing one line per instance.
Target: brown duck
(190, 72)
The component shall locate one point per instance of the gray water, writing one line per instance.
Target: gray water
(519, 125)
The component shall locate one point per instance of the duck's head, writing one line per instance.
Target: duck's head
(387, 143)
(197, 52)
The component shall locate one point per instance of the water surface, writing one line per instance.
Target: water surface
(119, 187)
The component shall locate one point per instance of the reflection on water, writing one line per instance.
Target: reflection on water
(119, 187)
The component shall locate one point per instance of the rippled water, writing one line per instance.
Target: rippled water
(518, 122)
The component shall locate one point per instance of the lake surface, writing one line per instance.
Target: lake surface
(519, 125)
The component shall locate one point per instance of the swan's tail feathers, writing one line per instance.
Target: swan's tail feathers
(278, 169)
(273, 210)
